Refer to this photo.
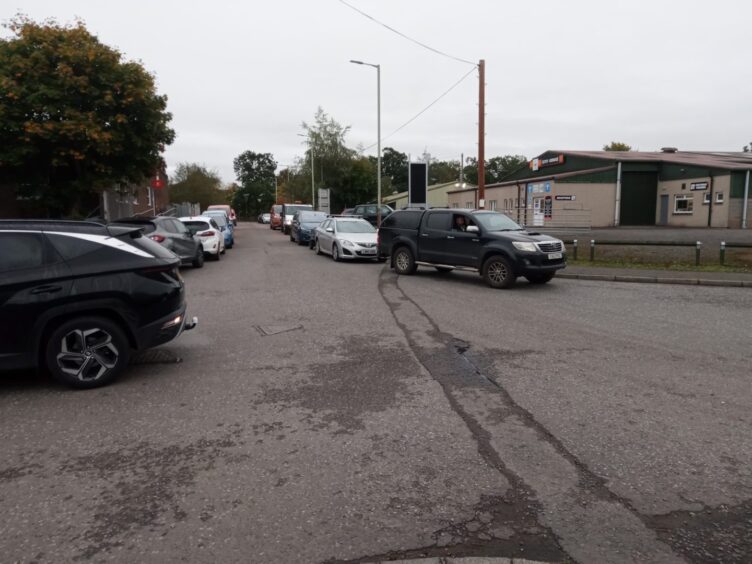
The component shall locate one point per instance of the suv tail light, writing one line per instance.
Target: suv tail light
(157, 238)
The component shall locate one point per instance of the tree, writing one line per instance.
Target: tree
(617, 146)
(394, 166)
(496, 169)
(441, 172)
(74, 116)
(194, 183)
(256, 175)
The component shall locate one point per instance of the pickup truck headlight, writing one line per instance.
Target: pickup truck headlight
(347, 244)
(524, 246)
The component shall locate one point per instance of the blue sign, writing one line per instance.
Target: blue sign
(548, 187)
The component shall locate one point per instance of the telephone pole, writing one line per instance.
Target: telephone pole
(481, 134)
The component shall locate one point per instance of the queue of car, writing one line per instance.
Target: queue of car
(80, 296)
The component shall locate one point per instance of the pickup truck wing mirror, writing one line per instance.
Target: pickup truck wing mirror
(472, 229)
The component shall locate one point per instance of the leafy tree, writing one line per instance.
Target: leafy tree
(617, 146)
(256, 174)
(194, 183)
(74, 116)
(497, 168)
(394, 166)
(441, 172)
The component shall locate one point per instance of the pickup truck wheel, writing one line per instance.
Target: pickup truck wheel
(498, 273)
(404, 261)
(87, 352)
(539, 278)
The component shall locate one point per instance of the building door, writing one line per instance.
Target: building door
(538, 212)
(639, 192)
(664, 210)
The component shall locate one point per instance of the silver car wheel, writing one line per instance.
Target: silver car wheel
(87, 355)
(335, 252)
(498, 272)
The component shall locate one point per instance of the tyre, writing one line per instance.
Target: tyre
(292, 239)
(539, 278)
(498, 272)
(87, 352)
(335, 253)
(443, 269)
(218, 255)
(404, 261)
(198, 261)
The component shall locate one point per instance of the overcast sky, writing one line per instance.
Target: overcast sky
(560, 75)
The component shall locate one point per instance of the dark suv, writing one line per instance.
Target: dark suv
(172, 234)
(483, 241)
(368, 212)
(76, 297)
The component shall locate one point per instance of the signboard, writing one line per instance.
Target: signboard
(698, 186)
(417, 190)
(324, 202)
(157, 183)
(537, 164)
(566, 197)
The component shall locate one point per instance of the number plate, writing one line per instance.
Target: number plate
(369, 251)
(554, 256)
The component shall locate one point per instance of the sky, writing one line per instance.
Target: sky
(575, 75)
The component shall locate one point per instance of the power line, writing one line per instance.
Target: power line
(408, 38)
(421, 112)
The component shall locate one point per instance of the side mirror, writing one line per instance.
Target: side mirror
(330, 229)
(472, 229)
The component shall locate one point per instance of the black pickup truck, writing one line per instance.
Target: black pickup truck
(483, 241)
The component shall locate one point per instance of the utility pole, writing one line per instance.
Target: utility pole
(462, 167)
(481, 134)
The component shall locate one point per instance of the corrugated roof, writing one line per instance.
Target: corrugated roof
(708, 159)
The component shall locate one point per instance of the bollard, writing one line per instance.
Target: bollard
(592, 250)
(723, 252)
(574, 249)
(697, 253)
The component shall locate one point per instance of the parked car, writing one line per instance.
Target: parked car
(171, 234)
(264, 218)
(487, 242)
(228, 210)
(303, 225)
(275, 217)
(347, 211)
(76, 297)
(368, 212)
(225, 226)
(207, 230)
(346, 238)
(288, 210)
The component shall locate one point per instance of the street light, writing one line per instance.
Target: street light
(378, 134)
(313, 191)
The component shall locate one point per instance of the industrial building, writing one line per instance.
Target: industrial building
(613, 188)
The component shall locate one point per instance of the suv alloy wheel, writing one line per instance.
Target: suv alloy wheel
(404, 261)
(87, 352)
(498, 273)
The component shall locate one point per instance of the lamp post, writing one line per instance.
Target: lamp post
(378, 135)
(313, 190)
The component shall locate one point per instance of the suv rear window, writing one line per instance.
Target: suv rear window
(196, 226)
(404, 219)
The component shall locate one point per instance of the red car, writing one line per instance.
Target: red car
(276, 217)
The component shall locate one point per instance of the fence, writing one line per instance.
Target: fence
(698, 246)
(556, 218)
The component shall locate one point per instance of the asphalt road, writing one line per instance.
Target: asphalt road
(333, 412)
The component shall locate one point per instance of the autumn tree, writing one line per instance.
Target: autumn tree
(617, 146)
(75, 117)
(497, 168)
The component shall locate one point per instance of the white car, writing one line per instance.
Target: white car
(346, 238)
(207, 230)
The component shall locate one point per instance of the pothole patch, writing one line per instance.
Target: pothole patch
(266, 330)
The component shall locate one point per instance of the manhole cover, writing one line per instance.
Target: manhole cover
(156, 356)
(267, 330)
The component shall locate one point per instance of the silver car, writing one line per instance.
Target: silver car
(346, 238)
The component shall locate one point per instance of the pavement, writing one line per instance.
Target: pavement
(685, 277)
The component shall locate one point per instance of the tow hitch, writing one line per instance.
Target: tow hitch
(190, 324)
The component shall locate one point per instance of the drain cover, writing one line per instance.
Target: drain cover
(267, 330)
(156, 356)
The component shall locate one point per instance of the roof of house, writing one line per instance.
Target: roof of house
(431, 188)
(709, 159)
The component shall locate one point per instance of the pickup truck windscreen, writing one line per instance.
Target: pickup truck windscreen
(496, 222)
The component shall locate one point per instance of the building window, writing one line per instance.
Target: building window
(719, 197)
(468, 205)
(683, 204)
(706, 198)
(455, 205)
(493, 205)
